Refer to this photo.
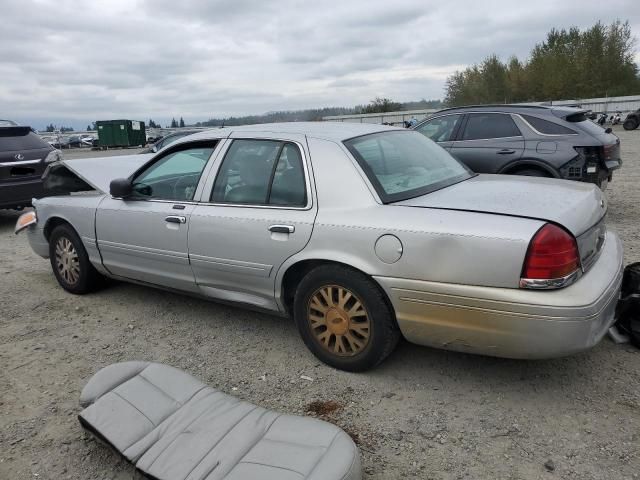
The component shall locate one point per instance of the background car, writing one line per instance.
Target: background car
(361, 232)
(167, 140)
(538, 141)
(7, 123)
(632, 121)
(23, 158)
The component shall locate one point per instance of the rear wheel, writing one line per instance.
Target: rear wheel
(344, 318)
(70, 262)
(630, 124)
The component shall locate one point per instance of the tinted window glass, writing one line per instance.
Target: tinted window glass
(439, 129)
(15, 140)
(548, 128)
(174, 177)
(590, 127)
(403, 165)
(261, 172)
(490, 125)
(288, 186)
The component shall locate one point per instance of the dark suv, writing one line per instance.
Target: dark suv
(23, 158)
(530, 140)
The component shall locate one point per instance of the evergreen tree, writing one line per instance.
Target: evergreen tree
(568, 64)
(181, 122)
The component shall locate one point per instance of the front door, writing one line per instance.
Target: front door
(256, 212)
(144, 237)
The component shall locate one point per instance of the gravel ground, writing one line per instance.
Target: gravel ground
(424, 413)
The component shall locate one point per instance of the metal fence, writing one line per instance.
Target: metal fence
(392, 118)
(606, 104)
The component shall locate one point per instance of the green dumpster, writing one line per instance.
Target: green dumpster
(121, 133)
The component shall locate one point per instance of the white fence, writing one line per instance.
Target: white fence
(393, 118)
(606, 104)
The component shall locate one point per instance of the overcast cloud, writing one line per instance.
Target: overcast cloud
(72, 61)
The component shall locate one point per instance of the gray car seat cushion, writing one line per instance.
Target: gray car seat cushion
(174, 427)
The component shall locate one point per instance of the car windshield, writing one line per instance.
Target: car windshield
(405, 164)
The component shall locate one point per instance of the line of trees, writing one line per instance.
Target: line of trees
(52, 128)
(376, 105)
(573, 63)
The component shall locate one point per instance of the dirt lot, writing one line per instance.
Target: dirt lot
(424, 413)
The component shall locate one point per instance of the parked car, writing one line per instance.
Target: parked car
(23, 158)
(538, 141)
(7, 123)
(168, 140)
(632, 121)
(363, 233)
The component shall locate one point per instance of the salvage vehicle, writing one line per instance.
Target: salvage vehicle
(632, 121)
(23, 158)
(362, 233)
(531, 140)
(167, 140)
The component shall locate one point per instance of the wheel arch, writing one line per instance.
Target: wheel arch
(526, 163)
(53, 222)
(291, 275)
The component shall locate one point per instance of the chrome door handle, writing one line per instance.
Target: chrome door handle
(175, 219)
(282, 228)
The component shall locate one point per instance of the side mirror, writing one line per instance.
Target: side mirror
(120, 188)
(154, 149)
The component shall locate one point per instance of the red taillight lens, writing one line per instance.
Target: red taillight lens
(553, 253)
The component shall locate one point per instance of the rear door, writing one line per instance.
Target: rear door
(256, 210)
(487, 142)
(441, 129)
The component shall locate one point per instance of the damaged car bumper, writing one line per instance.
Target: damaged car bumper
(512, 323)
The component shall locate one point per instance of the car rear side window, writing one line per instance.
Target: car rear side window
(17, 139)
(547, 128)
(482, 126)
(261, 172)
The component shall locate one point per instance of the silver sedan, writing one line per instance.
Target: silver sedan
(363, 233)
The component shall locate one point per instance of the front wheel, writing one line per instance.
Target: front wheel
(344, 319)
(70, 262)
(531, 172)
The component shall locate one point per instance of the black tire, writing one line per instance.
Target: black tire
(381, 323)
(83, 279)
(531, 172)
(630, 124)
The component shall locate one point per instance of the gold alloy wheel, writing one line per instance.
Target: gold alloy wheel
(67, 260)
(339, 321)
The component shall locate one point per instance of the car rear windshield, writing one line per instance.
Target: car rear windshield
(405, 164)
(20, 138)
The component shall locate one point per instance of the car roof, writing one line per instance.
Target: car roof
(558, 110)
(335, 131)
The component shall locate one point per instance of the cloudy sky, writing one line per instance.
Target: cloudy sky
(71, 62)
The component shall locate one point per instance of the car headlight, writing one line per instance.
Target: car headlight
(25, 220)
(53, 156)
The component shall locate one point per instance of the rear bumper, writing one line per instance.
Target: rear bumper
(19, 194)
(512, 323)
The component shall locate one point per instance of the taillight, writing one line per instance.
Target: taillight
(607, 152)
(551, 259)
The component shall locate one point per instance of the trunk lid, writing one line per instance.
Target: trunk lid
(576, 206)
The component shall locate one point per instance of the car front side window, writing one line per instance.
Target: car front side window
(173, 177)
(261, 172)
(439, 129)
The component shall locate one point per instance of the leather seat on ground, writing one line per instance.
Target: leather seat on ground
(174, 427)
